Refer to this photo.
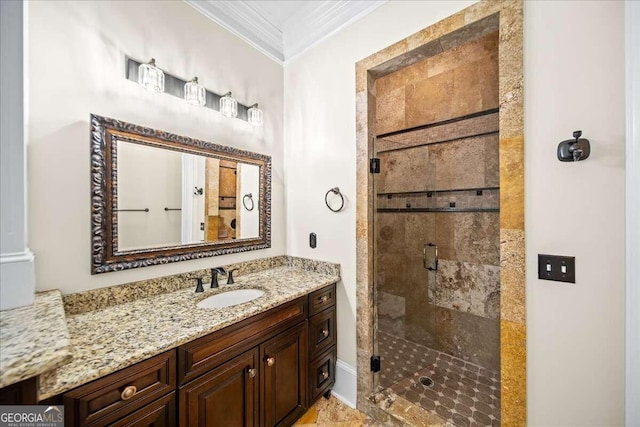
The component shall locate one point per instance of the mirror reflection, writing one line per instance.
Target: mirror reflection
(170, 198)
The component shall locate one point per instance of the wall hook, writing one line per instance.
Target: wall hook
(574, 150)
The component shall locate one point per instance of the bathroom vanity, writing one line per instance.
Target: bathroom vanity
(261, 363)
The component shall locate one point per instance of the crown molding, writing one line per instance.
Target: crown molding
(242, 20)
(307, 27)
(320, 20)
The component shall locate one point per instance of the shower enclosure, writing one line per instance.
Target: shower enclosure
(436, 228)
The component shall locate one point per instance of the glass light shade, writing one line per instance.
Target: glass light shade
(254, 115)
(228, 105)
(194, 93)
(151, 77)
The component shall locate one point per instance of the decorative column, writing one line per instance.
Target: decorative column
(17, 278)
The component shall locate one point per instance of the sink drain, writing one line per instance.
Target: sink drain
(426, 381)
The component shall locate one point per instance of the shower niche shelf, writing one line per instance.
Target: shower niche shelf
(481, 199)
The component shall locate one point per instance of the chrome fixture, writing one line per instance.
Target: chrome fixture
(228, 105)
(254, 115)
(151, 77)
(194, 93)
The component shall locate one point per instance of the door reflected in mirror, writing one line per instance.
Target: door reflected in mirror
(168, 198)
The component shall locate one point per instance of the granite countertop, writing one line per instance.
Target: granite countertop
(33, 339)
(109, 339)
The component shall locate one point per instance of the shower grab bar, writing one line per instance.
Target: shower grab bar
(424, 256)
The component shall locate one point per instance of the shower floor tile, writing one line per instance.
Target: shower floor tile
(462, 393)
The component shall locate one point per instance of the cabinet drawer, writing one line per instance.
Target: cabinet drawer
(160, 413)
(106, 400)
(199, 356)
(322, 332)
(322, 374)
(322, 299)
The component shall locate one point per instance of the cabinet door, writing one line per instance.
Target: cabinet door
(226, 396)
(284, 376)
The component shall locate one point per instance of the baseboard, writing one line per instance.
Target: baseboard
(345, 388)
(17, 280)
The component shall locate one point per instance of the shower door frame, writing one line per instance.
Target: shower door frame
(512, 249)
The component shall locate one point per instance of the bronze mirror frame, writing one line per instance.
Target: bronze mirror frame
(105, 256)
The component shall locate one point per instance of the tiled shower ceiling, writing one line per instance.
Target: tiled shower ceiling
(283, 29)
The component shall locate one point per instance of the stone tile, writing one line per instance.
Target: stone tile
(406, 170)
(513, 373)
(512, 183)
(512, 275)
(477, 50)
(477, 237)
(390, 111)
(459, 164)
(491, 161)
(470, 32)
(429, 100)
(445, 236)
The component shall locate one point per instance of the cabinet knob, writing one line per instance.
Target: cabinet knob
(325, 375)
(271, 361)
(252, 372)
(128, 392)
(325, 333)
(324, 298)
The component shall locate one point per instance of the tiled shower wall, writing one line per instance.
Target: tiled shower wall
(457, 309)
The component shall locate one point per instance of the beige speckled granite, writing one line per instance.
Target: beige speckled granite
(97, 299)
(33, 339)
(109, 339)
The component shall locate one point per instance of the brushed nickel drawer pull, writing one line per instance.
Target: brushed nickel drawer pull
(325, 333)
(128, 392)
(325, 375)
(252, 372)
(324, 298)
(271, 361)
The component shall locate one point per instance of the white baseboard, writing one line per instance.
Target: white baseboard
(17, 280)
(345, 388)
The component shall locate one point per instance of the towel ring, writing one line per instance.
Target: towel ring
(244, 201)
(334, 190)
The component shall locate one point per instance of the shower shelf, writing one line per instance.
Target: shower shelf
(396, 210)
(440, 123)
(428, 192)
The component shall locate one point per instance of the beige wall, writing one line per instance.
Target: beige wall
(575, 332)
(574, 79)
(76, 57)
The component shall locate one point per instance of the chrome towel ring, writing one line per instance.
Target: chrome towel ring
(244, 201)
(334, 190)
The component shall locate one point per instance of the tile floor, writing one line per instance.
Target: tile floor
(333, 413)
(462, 393)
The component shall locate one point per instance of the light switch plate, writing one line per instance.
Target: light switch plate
(557, 267)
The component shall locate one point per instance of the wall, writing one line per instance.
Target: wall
(575, 209)
(575, 342)
(76, 54)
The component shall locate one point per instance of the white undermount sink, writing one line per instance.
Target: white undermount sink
(230, 298)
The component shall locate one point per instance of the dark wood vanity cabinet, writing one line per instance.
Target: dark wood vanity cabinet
(225, 396)
(262, 371)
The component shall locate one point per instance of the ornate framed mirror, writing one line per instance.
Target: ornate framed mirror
(157, 197)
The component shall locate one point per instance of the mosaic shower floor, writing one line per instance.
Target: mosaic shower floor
(462, 393)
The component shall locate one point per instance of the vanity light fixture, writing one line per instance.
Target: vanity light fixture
(254, 115)
(151, 77)
(228, 105)
(194, 93)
